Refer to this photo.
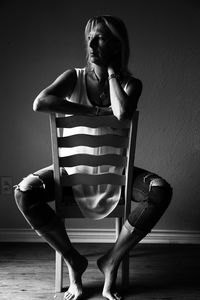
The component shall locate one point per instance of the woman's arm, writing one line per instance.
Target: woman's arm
(123, 103)
(53, 98)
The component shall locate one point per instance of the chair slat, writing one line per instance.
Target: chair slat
(93, 141)
(93, 160)
(88, 179)
(93, 122)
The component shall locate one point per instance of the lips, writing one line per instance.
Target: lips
(93, 54)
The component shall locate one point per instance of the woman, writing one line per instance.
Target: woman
(104, 86)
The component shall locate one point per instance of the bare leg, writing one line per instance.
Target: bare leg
(76, 264)
(30, 198)
(58, 239)
(109, 263)
(150, 205)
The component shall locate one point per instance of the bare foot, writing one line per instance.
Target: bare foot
(109, 270)
(76, 264)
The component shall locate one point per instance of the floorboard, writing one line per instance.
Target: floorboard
(157, 272)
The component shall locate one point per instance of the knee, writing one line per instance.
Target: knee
(151, 187)
(160, 192)
(24, 191)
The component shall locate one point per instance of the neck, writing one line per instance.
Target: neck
(101, 73)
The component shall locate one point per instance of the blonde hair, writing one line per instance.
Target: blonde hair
(118, 29)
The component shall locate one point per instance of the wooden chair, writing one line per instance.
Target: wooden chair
(127, 141)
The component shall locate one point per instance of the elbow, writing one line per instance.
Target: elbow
(121, 115)
(38, 104)
(126, 114)
(42, 104)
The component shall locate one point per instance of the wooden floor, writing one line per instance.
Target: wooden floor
(158, 272)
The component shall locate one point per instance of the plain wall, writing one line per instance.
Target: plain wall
(40, 39)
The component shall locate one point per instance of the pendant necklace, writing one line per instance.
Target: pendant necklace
(105, 93)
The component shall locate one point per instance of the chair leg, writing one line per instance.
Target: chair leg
(59, 273)
(125, 261)
(118, 226)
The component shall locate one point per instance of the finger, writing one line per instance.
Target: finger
(117, 296)
(68, 296)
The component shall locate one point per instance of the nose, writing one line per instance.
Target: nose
(92, 43)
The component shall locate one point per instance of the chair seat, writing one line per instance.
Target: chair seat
(69, 208)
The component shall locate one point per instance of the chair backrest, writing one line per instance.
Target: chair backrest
(126, 140)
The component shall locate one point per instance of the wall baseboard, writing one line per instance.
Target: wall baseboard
(85, 235)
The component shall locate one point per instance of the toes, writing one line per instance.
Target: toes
(68, 296)
(112, 296)
(71, 296)
(117, 296)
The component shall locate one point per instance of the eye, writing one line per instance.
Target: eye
(101, 37)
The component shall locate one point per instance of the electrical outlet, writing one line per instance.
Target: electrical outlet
(6, 185)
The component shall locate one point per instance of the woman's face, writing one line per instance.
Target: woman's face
(101, 45)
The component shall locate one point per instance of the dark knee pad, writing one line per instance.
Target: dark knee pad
(161, 196)
(32, 204)
(20, 200)
(28, 199)
(146, 214)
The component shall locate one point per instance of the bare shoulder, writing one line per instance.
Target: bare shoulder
(133, 89)
(134, 85)
(68, 75)
(63, 85)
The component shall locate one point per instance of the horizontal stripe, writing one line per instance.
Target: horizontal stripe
(93, 141)
(88, 179)
(91, 121)
(94, 131)
(93, 160)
